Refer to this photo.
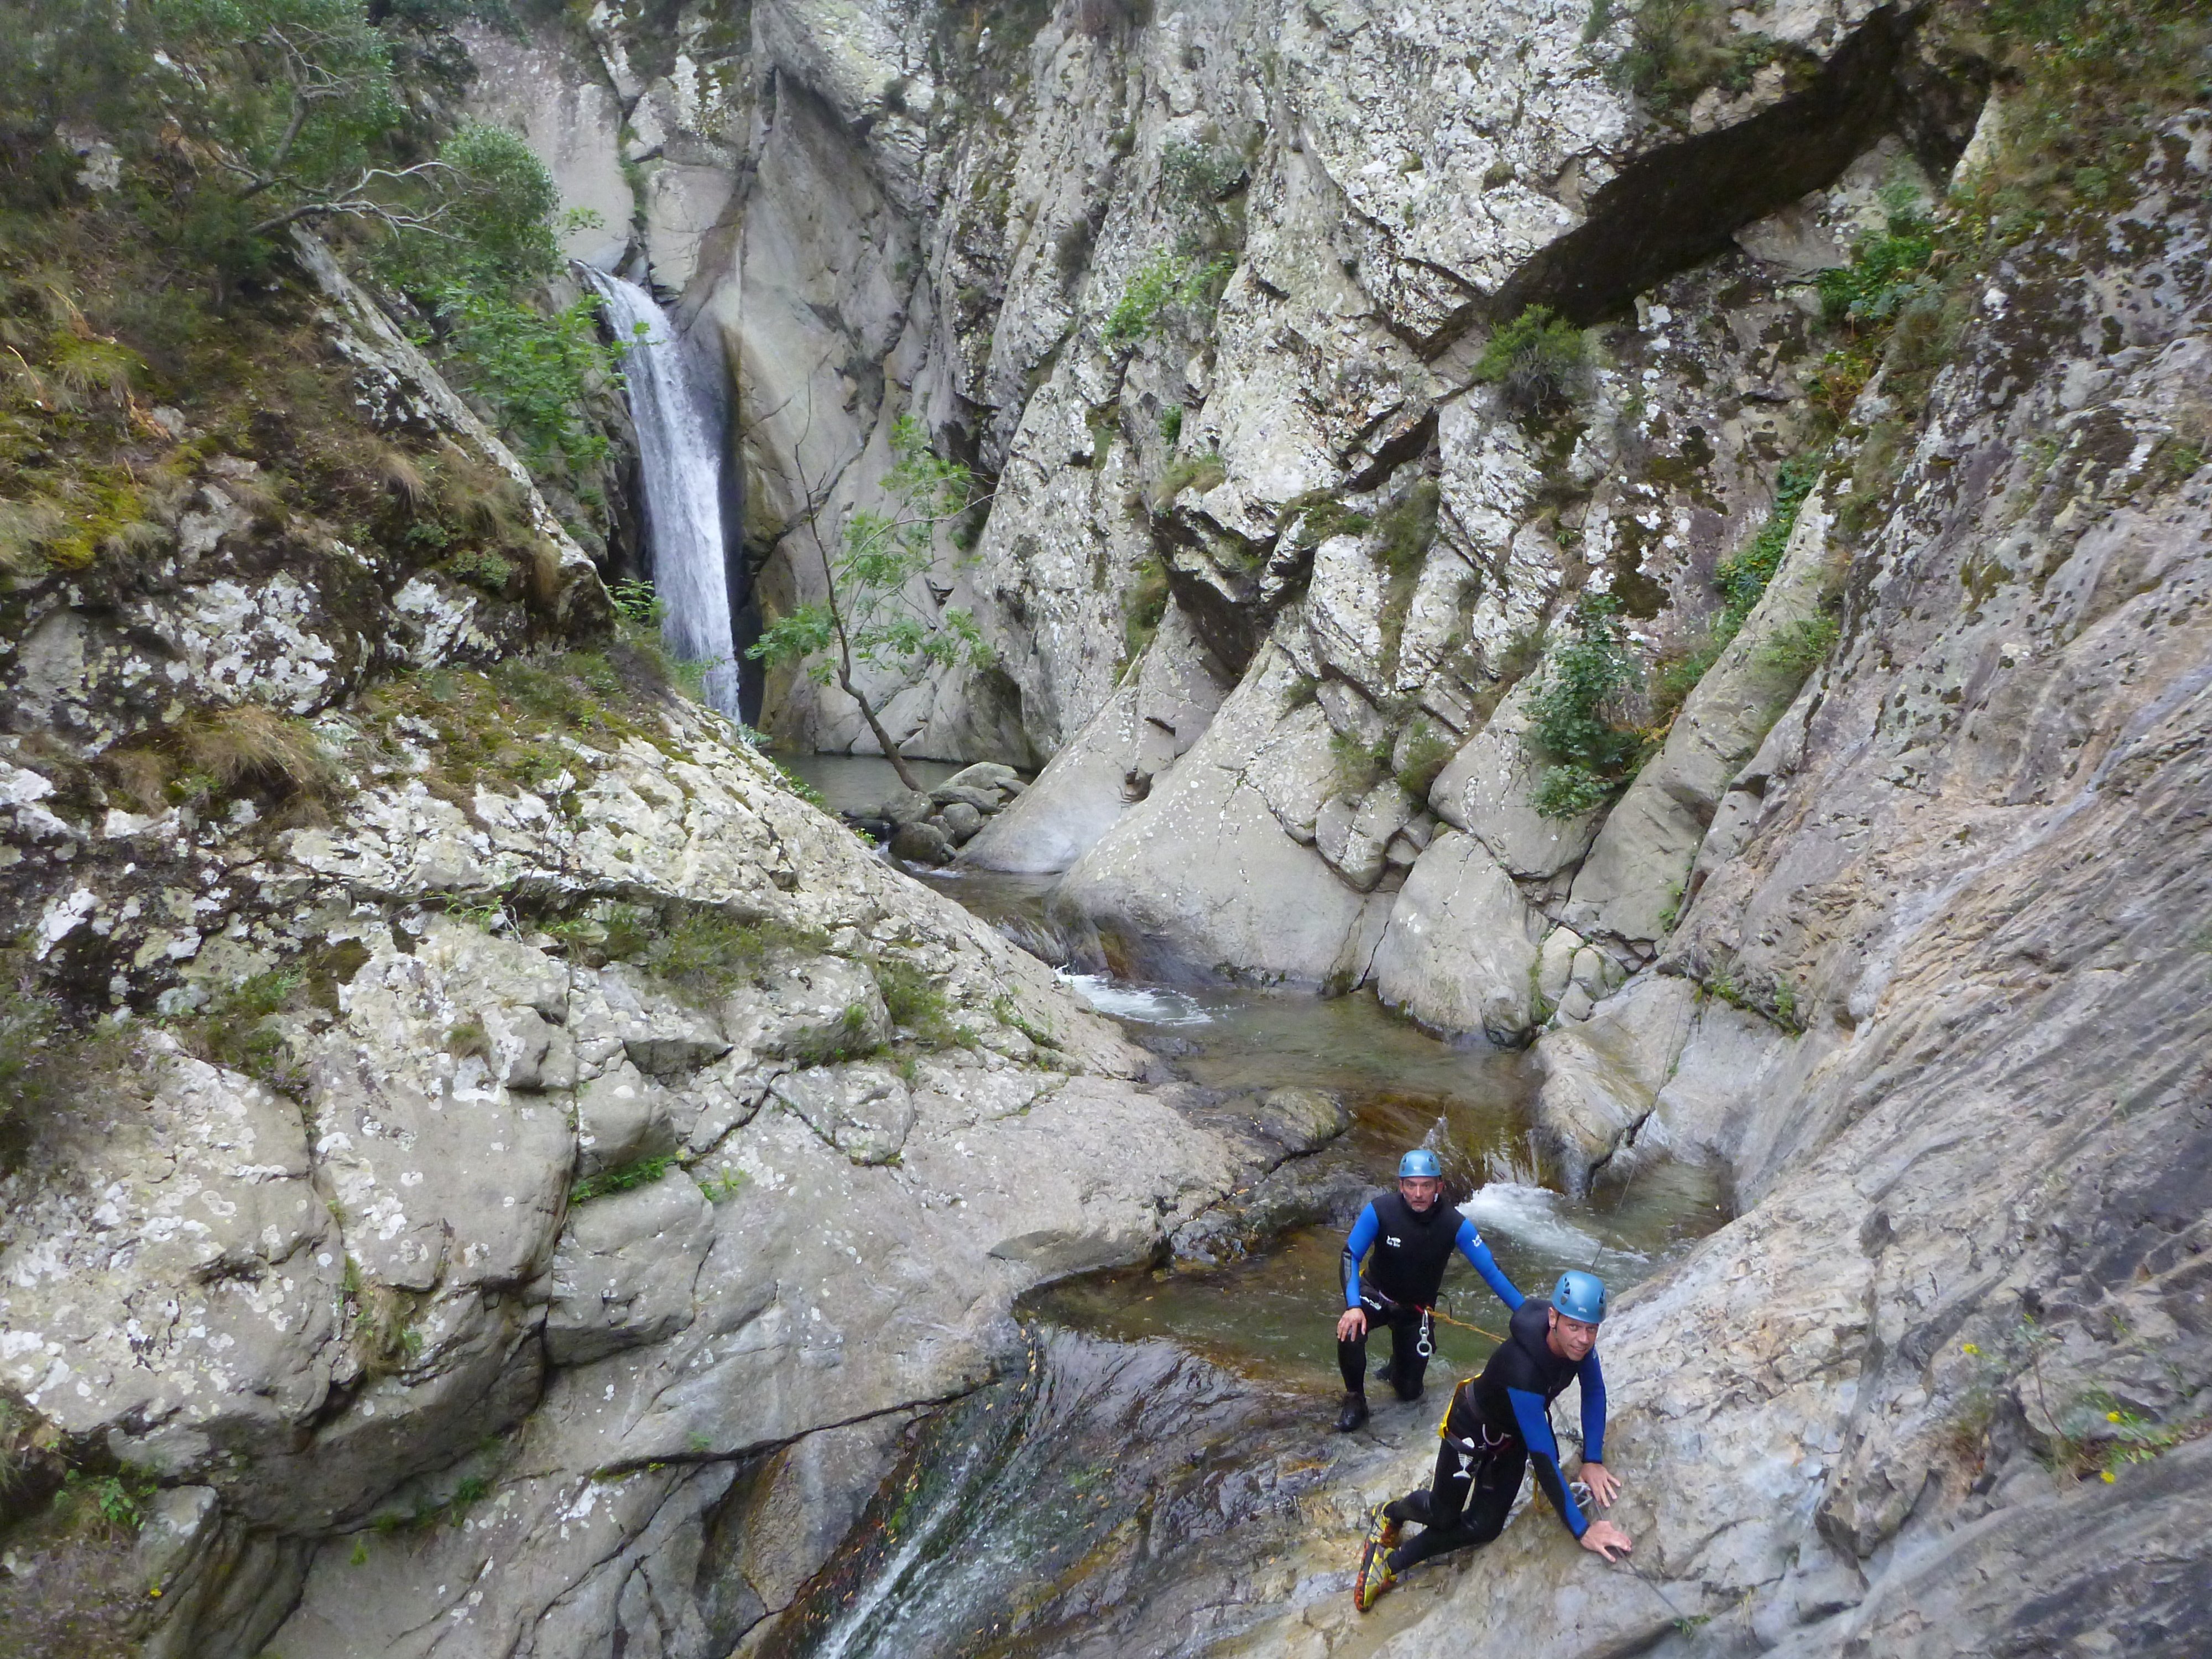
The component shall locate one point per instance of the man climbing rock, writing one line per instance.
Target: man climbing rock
(1498, 1424)
(1412, 1233)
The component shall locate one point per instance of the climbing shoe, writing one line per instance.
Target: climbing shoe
(1374, 1576)
(1383, 1527)
(1353, 1413)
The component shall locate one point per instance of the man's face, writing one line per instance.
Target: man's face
(1570, 1338)
(1419, 1191)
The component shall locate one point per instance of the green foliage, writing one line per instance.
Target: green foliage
(239, 1028)
(1199, 473)
(238, 118)
(799, 786)
(1317, 517)
(533, 367)
(1171, 425)
(872, 618)
(1742, 582)
(1143, 607)
(1578, 732)
(117, 1502)
(845, 1039)
(643, 1173)
(635, 601)
(1775, 998)
(702, 953)
(30, 1031)
(1802, 646)
(1197, 174)
(1889, 268)
(1162, 286)
(1405, 531)
(917, 1004)
(727, 1185)
(1008, 1013)
(1424, 752)
(1540, 362)
(1678, 48)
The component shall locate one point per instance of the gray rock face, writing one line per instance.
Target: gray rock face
(1201, 875)
(520, 1243)
(1460, 953)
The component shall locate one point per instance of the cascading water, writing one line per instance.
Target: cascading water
(675, 402)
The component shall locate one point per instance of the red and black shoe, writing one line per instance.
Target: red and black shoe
(1375, 1575)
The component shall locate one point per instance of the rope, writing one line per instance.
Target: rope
(1366, 1290)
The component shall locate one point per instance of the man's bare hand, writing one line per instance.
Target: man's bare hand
(1602, 1537)
(1354, 1324)
(1604, 1484)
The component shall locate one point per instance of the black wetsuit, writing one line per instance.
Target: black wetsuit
(1400, 1281)
(1498, 1424)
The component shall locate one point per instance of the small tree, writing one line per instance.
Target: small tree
(1578, 730)
(869, 617)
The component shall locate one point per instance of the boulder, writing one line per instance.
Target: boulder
(1484, 790)
(919, 843)
(978, 801)
(908, 806)
(1301, 1119)
(962, 821)
(1603, 1074)
(1460, 952)
(988, 776)
(1202, 876)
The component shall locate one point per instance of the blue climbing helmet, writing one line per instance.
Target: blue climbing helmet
(1580, 1295)
(1419, 1164)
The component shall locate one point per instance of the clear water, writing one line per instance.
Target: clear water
(675, 403)
(861, 783)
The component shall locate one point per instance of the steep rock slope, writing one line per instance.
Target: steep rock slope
(1207, 296)
(1942, 1387)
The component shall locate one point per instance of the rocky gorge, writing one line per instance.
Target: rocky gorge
(1669, 538)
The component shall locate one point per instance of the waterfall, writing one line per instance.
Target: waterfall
(675, 403)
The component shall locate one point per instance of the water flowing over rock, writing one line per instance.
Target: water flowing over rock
(677, 401)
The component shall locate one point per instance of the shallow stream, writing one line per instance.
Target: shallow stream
(1117, 1489)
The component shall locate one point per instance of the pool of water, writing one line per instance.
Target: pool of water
(861, 783)
(1271, 1314)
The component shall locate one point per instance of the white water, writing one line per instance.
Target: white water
(1535, 1217)
(676, 401)
(1147, 1005)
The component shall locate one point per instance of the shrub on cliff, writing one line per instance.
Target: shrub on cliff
(1540, 362)
(1581, 735)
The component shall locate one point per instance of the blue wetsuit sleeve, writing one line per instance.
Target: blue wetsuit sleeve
(1472, 1246)
(1593, 1387)
(1355, 1252)
(1535, 1419)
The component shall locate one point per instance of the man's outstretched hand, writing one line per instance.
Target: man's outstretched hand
(1603, 1539)
(1604, 1484)
(1354, 1324)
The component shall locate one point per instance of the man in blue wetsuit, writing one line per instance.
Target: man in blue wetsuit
(1498, 1424)
(1412, 1234)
